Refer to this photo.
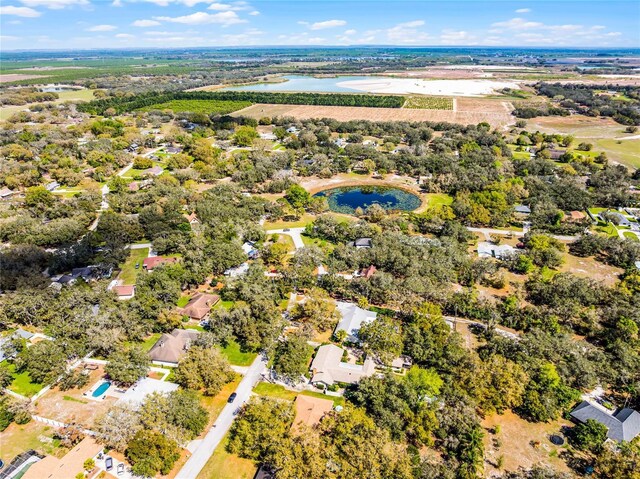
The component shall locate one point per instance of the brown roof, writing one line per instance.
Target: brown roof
(170, 348)
(69, 466)
(152, 262)
(310, 411)
(200, 305)
(577, 215)
(370, 271)
(124, 290)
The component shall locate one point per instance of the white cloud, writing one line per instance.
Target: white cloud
(456, 37)
(8, 38)
(407, 33)
(517, 24)
(254, 13)
(224, 7)
(350, 32)
(19, 11)
(523, 10)
(116, 3)
(54, 4)
(203, 18)
(327, 24)
(124, 36)
(145, 23)
(102, 28)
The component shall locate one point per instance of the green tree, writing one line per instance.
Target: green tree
(151, 452)
(318, 310)
(39, 197)
(44, 361)
(127, 365)
(291, 359)
(245, 135)
(382, 338)
(297, 196)
(204, 369)
(589, 435)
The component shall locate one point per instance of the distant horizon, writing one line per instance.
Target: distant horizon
(93, 24)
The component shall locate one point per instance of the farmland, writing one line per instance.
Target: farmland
(428, 103)
(346, 113)
(209, 107)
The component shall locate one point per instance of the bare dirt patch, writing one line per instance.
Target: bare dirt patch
(524, 444)
(345, 113)
(72, 406)
(9, 77)
(591, 268)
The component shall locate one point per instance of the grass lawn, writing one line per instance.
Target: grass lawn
(625, 151)
(182, 301)
(224, 304)
(215, 404)
(437, 199)
(276, 225)
(279, 392)
(222, 465)
(324, 245)
(235, 356)
(22, 384)
(18, 438)
(631, 236)
(128, 271)
(220, 107)
(148, 343)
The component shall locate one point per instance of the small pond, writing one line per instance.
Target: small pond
(346, 199)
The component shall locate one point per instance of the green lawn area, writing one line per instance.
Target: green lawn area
(436, 199)
(223, 465)
(128, 271)
(18, 438)
(279, 392)
(631, 236)
(322, 244)
(148, 343)
(22, 384)
(219, 107)
(224, 304)
(276, 225)
(624, 151)
(235, 356)
(182, 301)
(215, 404)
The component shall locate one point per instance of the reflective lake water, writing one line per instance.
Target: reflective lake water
(347, 199)
(305, 83)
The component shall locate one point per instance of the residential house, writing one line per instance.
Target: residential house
(352, 320)
(125, 292)
(172, 150)
(155, 171)
(575, 216)
(250, 250)
(70, 465)
(522, 209)
(362, 243)
(309, 412)
(199, 306)
(622, 425)
(170, 348)
(6, 350)
(621, 219)
(154, 261)
(237, 271)
(193, 219)
(368, 272)
(328, 369)
(490, 250)
(52, 185)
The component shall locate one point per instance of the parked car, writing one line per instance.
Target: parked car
(232, 397)
(137, 265)
(108, 463)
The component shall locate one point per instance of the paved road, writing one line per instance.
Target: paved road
(295, 234)
(201, 455)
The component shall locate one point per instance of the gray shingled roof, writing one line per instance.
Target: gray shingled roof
(623, 425)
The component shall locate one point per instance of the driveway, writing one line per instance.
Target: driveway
(295, 234)
(201, 455)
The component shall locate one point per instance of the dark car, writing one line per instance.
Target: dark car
(137, 265)
(286, 229)
(232, 397)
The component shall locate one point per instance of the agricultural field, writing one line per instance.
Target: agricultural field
(208, 107)
(69, 95)
(428, 103)
(497, 118)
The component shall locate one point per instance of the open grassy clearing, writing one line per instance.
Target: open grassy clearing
(72, 95)
(438, 199)
(279, 392)
(215, 107)
(18, 438)
(281, 224)
(128, 272)
(429, 103)
(626, 152)
(236, 356)
(223, 465)
(21, 383)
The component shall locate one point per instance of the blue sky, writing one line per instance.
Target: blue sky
(60, 24)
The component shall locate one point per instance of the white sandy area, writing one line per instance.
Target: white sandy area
(429, 87)
(486, 67)
(636, 75)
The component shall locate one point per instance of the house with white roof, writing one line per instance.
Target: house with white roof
(328, 368)
(352, 320)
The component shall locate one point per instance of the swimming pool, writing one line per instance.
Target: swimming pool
(100, 390)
